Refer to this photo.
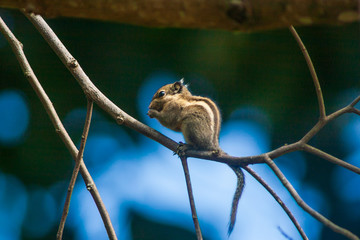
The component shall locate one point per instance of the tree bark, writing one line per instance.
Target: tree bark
(234, 15)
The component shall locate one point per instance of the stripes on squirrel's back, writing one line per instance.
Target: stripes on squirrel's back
(214, 115)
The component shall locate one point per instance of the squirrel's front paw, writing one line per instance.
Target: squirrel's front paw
(152, 113)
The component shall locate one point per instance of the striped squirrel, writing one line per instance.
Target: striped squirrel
(199, 120)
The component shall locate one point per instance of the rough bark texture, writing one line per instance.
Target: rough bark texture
(242, 15)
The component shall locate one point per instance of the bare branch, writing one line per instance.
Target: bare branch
(328, 157)
(242, 161)
(348, 109)
(319, 95)
(355, 101)
(121, 117)
(314, 130)
(322, 122)
(232, 15)
(304, 206)
(76, 169)
(29, 74)
(351, 107)
(278, 200)
(191, 198)
(356, 111)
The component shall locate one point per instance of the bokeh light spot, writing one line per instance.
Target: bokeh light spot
(345, 181)
(13, 204)
(100, 148)
(351, 134)
(41, 214)
(14, 118)
(243, 138)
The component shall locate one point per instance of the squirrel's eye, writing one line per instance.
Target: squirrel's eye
(162, 93)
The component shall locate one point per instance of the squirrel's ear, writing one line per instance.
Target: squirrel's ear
(182, 83)
(177, 86)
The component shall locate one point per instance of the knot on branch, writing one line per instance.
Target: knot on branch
(120, 119)
(28, 74)
(89, 186)
(73, 63)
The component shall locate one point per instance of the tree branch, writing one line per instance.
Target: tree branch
(356, 111)
(76, 169)
(328, 157)
(191, 198)
(278, 200)
(90, 90)
(29, 74)
(348, 109)
(303, 204)
(235, 15)
(319, 95)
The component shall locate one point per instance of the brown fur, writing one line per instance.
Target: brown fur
(198, 118)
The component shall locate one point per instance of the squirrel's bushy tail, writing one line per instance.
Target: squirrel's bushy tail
(239, 189)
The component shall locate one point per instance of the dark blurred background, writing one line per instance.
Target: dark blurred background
(260, 79)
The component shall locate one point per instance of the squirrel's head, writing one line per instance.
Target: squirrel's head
(167, 93)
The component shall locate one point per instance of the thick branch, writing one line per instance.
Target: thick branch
(91, 90)
(243, 15)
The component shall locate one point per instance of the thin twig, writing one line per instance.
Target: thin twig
(76, 169)
(356, 100)
(312, 72)
(348, 109)
(45, 100)
(321, 123)
(284, 233)
(328, 157)
(356, 111)
(304, 206)
(191, 198)
(278, 200)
